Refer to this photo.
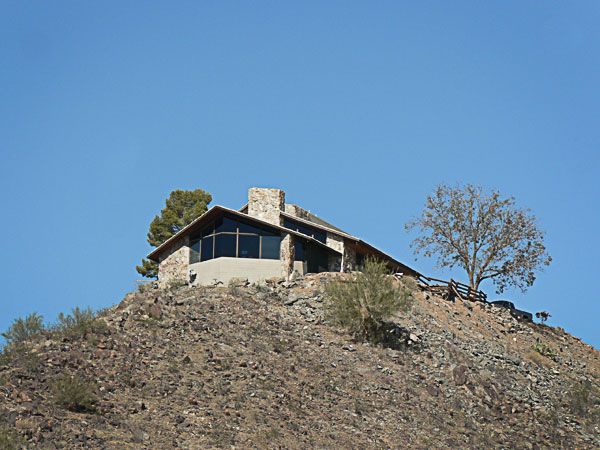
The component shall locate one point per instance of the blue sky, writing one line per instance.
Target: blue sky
(357, 110)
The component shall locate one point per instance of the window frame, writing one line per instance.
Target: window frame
(300, 227)
(209, 231)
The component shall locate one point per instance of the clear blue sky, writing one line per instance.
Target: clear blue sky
(356, 109)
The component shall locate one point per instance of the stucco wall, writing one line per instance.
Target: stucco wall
(224, 269)
(174, 262)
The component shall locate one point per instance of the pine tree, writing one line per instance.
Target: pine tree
(182, 207)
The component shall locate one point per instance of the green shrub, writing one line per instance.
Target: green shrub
(546, 351)
(582, 398)
(175, 284)
(363, 304)
(79, 324)
(25, 330)
(234, 286)
(144, 288)
(74, 393)
(21, 356)
(9, 440)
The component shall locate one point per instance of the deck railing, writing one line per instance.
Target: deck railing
(451, 289)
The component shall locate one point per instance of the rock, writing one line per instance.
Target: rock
(460, 374)
(293, 299)
(236, 370)
(155, 312)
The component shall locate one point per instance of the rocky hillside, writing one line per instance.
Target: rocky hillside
(257, 367)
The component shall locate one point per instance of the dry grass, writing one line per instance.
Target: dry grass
(538, 359)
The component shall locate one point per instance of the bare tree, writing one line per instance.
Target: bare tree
(483, 233)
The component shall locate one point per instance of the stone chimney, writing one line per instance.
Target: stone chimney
(266, 204)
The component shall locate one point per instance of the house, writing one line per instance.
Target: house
(266, 238)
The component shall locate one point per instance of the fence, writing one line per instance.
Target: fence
(450, 290)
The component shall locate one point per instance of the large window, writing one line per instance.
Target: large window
(304, 229)
(228, 236)
(300, 254)
(316, 258)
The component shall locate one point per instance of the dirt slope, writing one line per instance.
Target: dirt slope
(256, 367)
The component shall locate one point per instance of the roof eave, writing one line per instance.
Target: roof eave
(181, 233)
(319, 226)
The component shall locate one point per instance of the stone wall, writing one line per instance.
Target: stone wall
(174, 262)
(287, 254)
(266, 204)
(349, 259)
(296, 211)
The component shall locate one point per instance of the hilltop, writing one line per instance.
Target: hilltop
(247, 366)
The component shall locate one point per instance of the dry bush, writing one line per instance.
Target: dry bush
(363, 304)
(74, 393)
(175, 284)
(79, 324)
(584, 399)
(546, 350)
(25, 329)
(10, 440)
(538, 359)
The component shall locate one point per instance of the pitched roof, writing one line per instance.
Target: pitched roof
(212, 212)
(357, 242)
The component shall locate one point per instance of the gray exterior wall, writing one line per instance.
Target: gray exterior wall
(225, 269)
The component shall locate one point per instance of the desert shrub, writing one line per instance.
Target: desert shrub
(25, 329)
(582, 398)
(144, 288)
(175, 284)
(79, 324)
(20, 356)
(6, 356)
(74, 393)
(535, 357)
(234, 287)
(409, 283)
(10, 440)
(545, 350)
(362, 304)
